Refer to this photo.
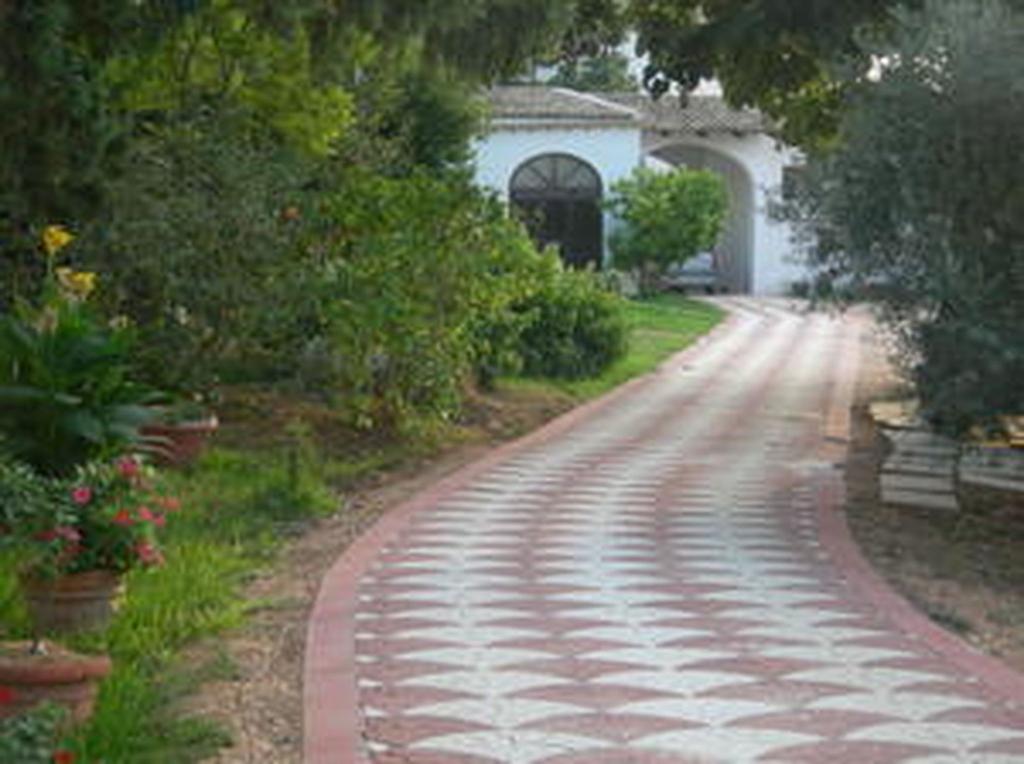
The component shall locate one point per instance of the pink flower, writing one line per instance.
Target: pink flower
(128, 467)
(159, 521)
(7, 695)
(123, 517)
(68, 533)
(148, 554)
(81, 495)
(145, 514)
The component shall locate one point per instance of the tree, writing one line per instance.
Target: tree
(666, 218)
(921, 204)
(772, 54)
(603, 74)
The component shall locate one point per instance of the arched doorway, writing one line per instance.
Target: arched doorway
(559, 198)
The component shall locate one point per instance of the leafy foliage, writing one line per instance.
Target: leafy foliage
(23, 493)
(66, 389)
(603, 73)
(105, 517)
(196, 252)
(32, 737)
(576, 328)
(412, 269)
(773, 54)
(920, 205)
(667, 218)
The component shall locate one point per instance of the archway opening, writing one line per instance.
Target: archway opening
(559, 198)
(734, 252)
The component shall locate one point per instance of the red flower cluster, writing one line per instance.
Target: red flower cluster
(109, 519)
(7, 695)
(63, 757)
(123, 517)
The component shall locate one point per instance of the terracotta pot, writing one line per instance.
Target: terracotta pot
(72, 602)
(178, 445)
(61, 676)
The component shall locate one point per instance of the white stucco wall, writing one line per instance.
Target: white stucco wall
(612, 151)
(762, 159)
(615, 151)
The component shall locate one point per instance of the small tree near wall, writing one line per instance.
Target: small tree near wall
(667, 219)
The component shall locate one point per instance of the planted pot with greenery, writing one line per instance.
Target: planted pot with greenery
(179, 432)
(66, 391)
(77, 536)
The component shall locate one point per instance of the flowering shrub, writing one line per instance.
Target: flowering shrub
(66, 393)
(106, 517)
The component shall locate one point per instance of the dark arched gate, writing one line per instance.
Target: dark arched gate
(559, 198)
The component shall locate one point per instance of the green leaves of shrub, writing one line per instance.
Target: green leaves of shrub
(577, 327)
(416, 272)
(667, 218)
(65, 390)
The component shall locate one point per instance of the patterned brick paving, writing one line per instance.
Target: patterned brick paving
(650, 585)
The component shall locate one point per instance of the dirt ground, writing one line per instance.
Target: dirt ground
(964, 570)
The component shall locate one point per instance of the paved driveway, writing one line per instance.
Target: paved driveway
(663, 577)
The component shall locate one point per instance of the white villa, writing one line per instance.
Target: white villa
(554, 153)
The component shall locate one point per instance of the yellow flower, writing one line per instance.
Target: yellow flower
(55, 238)
(79, 284)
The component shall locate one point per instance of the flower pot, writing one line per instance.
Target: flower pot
(59, 675)
(178, 444)
(72, 602)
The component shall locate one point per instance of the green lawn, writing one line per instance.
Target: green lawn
(658, 328)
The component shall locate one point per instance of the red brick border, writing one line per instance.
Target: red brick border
(835, 536)
(332, 722)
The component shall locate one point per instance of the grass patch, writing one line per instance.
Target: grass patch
(658, 328)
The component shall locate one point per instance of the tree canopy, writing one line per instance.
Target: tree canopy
(919, 204)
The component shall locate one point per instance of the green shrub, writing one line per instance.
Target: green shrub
(198, 251)
(576, 328)
(418, 276)
(667, 218)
